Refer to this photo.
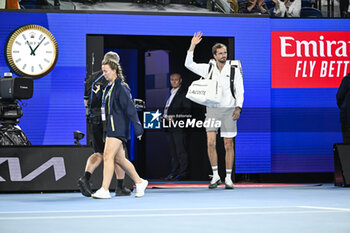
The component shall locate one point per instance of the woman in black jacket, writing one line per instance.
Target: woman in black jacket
(117, 112)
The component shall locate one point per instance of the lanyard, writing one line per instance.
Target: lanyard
(104, 97)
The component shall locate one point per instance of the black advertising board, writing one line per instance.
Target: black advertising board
(44, 168)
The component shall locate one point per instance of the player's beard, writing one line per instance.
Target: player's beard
(223, 60)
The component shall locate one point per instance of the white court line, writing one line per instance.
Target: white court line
(164, 215)
(144, 210)
(325, 208)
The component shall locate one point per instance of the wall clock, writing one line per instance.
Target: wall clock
(32, 51)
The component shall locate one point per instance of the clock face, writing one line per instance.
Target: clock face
(32, 51)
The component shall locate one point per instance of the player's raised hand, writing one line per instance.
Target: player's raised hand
(197, 37)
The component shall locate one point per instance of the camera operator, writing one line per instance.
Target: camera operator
(287, 8)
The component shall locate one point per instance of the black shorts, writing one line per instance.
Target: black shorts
(98, 138)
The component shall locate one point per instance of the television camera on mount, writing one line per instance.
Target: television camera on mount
(12, 90)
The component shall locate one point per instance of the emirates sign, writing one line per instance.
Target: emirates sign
(309, 59)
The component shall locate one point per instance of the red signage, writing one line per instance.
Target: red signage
(309, 59)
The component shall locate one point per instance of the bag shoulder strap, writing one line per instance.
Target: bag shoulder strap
(209, 70)
(232, 78)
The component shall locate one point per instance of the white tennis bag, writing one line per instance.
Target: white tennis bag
(205, 91)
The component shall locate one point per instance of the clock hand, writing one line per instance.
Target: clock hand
(33, 52)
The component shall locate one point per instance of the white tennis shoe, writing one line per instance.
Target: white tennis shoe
(140, 188)
(101, 194)
(228, 184)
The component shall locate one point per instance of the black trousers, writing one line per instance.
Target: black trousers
(345, 129)
(179, 156)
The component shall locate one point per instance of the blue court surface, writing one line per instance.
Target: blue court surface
(299, 209)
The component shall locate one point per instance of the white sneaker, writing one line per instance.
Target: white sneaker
(228, 184)
(215, 179)
(140, 188)
(101, 194)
